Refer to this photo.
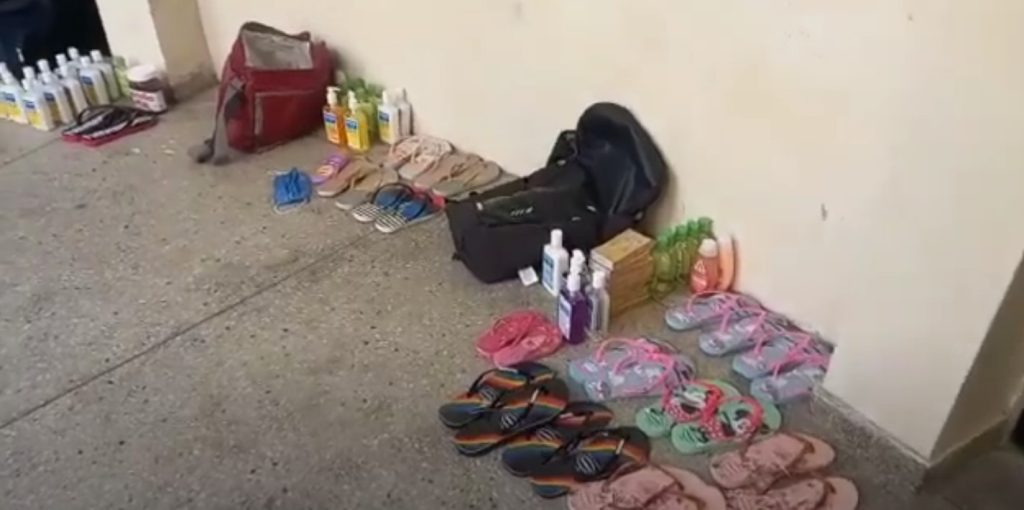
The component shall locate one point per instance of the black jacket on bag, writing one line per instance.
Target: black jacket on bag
(599, 180)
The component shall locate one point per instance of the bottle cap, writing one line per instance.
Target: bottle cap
(353, 104)
(61, 59)
(28, 72)
(708, 248)
(385, 98)
(73, 53)
(96, 56)
(578, 255)
(600, 279)
(556, 238)
(85, 61)
(44, 65)
(574, 282)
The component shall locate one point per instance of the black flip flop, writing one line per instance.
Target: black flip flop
(591, 457)
(488, 388)
(526, 453)
(524, 410)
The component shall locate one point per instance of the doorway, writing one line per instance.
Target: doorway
(31, 30)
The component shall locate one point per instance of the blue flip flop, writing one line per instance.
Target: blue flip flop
(384, 199)
(411, 210)
(292, 189)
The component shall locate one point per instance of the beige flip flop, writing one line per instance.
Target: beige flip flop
(401, 152)
(764, 462)
(428, 153)
(468, 178)
(341, 181)
(448, 165)
(361, 191)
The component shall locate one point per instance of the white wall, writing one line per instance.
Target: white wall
(130, 30)
(865, 152)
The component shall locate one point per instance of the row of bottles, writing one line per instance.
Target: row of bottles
(583, 304)
(354, 124)
(48, 99)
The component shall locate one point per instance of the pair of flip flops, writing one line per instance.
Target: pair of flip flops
(100, 125)
(780, 472)
(706, 415)
(557, 444)
(648, 487)
(630, 367)
(415, 155)
(458, 174)
(525, 335)
(393, 207)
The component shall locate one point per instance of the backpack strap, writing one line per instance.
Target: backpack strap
(216, 150)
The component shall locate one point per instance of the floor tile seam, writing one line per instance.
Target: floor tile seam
(29, 152)
(174, 335)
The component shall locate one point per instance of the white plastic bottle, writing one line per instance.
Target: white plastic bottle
(389, 123)
(404, 113)
(36, 110)
(93, 83)
(554, 263)
(74, 87)
(74, 59)
(10, 94)
(600, 303)
(29, 73)
(61, 60)
(44, 67)
(57, 98)
(109, 75)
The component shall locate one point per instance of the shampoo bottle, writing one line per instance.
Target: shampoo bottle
(57, 99)
(10, 95)
(573, 311)
(74, 59)
(93, 82)
(36, 110)
(109, 76)
(704, 276)
(554, 261)
(600, 303)
(74, 87)
(357, 129)
(389, 123)
(334, 118)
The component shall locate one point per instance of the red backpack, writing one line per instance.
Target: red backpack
(271, 91)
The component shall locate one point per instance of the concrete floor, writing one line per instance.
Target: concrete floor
(167, 341)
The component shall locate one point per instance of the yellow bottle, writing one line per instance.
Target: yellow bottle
(334, 118)
(357, 128)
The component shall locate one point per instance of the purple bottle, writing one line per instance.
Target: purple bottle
(573, 311)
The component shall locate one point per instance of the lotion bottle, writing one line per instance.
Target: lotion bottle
(573, 311)
(74, 87)
(357, 129)
(57, 99)
(109, 75)
(553, 264)
(10, 94)
(334, 118)
(36, 110)
(600, 303)
(93, 82)
(389, 123)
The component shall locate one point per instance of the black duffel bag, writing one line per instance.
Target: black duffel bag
(599, 180)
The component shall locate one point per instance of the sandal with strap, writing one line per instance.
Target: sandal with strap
(413, 209)
(489, 387)
(384, 199)
(687, 402)
(648, 487)
(779, 352)
(428, 153)
(590, 457)
(525, 335)
(467, 178)
(329, 168)
(743, 329)
(762, 463)
(525, 409)
(630, 367)
(527, 452)
(735, 421)
(796, 383)
(803, 494)
(705, 308)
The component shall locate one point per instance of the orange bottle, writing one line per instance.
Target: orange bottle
(334, 118)
(726, 262)
(704, 276)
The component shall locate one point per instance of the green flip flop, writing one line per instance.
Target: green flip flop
(737, 420)
(691, 401)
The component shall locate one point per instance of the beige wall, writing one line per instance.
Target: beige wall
(130, 30)
(865, 152)
(989, 397)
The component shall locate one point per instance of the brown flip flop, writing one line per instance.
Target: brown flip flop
(803, 494)
(362, 189)
(471, 177)
(341, 181)
(648, 487)
(764, 462)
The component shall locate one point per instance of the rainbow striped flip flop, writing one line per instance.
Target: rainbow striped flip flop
(522, 411)
(488, 390)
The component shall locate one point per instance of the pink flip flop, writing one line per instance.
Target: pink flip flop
(649, 487)
(525, 335)
(840, 494)
(803, 494)
(761, 464)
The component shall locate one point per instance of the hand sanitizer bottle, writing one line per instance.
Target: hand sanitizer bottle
(57, 99)
(93, 82)
(10, 96)
(573, 311)
(34, 105)
(600, 303)
(555, 260)
(357, 129)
